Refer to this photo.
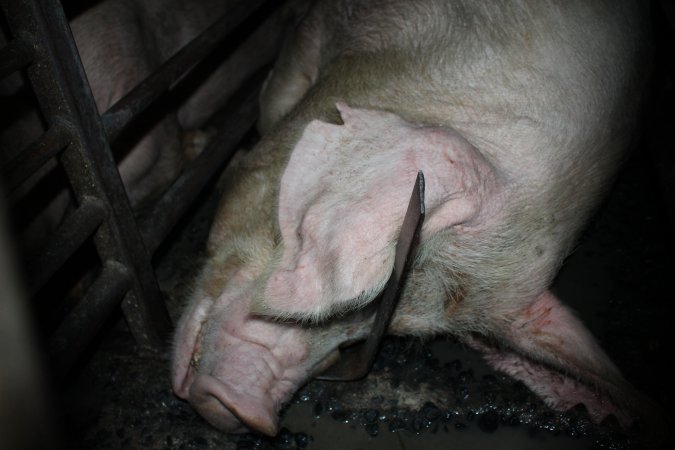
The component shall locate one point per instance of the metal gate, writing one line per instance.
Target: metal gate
(42, 44)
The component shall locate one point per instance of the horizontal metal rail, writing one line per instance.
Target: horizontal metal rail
(72, 233)
(182, 193)
(63, 93)
(23, 165)
(81, 325)
(120, 115)
(79, 137)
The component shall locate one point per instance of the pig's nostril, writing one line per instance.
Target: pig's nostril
(231, 410)
(194, 361)
(182, 382)
(187, 353)
(217, 414)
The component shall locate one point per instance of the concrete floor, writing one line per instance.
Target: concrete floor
(419, 395)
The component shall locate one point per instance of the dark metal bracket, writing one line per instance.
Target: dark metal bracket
(356, 360)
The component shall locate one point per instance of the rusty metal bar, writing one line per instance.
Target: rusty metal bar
(62, 90)
(15, 55)
(182, 193)
(81, 138)
(118, 238)
(23, 165)
(82, 324)
(118, 117)
(68, 237)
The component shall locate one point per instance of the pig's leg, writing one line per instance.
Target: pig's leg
(151, 164)
(550, 351)
(116, 56)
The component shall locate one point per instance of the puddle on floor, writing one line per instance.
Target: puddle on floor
(328, 434)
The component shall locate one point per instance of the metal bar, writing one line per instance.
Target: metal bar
(189, 184)
(118, 117)
(65, 98)
(88, 317)
(62, 90)
(92, 170)
(23, 165)
(355, 362)
(69, 237)
(15, 55)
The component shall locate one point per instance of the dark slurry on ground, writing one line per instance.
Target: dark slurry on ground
(420, 394)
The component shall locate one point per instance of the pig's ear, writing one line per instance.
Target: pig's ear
(342, 200)
(550, 351)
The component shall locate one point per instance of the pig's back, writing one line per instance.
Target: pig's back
(546, 91)
(537, 85)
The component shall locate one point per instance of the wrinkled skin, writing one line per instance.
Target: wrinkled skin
(517, 113)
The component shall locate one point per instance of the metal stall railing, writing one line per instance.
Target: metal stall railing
(42, 45)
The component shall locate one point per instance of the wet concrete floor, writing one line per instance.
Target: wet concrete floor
(420, 395)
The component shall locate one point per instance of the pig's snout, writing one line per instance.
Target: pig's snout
(227, 409)
(236, 370)
(226, 406)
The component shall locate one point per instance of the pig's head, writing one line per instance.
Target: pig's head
(303, 243)
(272, 305)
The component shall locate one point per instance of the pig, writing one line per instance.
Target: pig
(121, 42)
(518, 114)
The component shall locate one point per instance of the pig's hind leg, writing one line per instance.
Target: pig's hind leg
(548, 349)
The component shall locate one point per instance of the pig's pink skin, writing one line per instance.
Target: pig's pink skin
(524, 144)
(318, 271)
(122, 41)
(252, 366)
(548, 333)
